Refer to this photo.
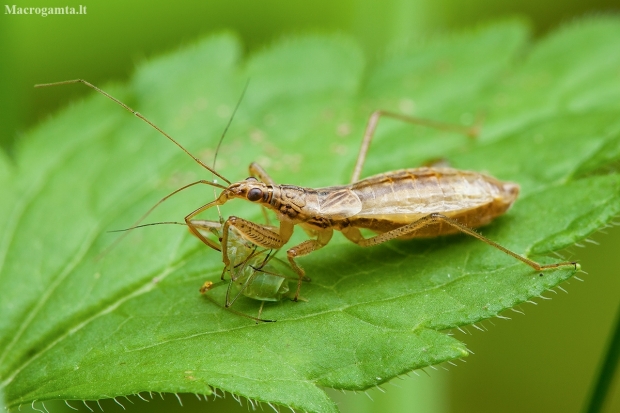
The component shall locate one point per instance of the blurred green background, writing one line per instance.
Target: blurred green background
(543, 361)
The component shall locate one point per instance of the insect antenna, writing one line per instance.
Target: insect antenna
(219, 143)
(157, 223)
(213, 183)
(137, 114)
(151, 209)
(149, 225)
(158, 129)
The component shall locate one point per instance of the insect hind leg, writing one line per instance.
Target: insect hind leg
(373, 121)
(355, 235)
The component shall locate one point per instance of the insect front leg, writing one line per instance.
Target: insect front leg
(194, 225)
(355, 235)
(257, 234)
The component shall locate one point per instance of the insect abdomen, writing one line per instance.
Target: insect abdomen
(401, 197)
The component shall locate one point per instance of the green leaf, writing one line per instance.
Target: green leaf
(77, 326)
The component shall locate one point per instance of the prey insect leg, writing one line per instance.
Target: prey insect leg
(355, 235)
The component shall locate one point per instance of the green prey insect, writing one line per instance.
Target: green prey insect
(253, 272)
(402, 204)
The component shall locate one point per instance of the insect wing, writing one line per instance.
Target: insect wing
(339, 203)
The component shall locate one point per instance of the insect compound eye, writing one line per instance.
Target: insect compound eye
(251, 178)
(255, 194)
